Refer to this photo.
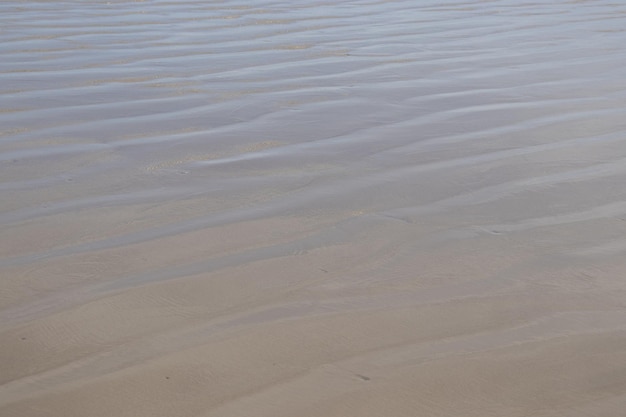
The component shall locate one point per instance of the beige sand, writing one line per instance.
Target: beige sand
(355, 209)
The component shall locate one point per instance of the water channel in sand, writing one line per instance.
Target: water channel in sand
(309, 208)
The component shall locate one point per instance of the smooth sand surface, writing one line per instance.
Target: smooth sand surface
(313, 209)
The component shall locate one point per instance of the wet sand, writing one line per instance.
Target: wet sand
(314, 209)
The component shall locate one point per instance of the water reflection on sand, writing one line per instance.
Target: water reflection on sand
(312, 208)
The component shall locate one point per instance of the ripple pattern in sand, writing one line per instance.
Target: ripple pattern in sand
(312, 208)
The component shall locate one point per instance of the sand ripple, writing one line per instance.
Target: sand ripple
(312, 208)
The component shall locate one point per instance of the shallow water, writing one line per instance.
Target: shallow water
(397, 188)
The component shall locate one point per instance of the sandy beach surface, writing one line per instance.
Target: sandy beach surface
(277, 208)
